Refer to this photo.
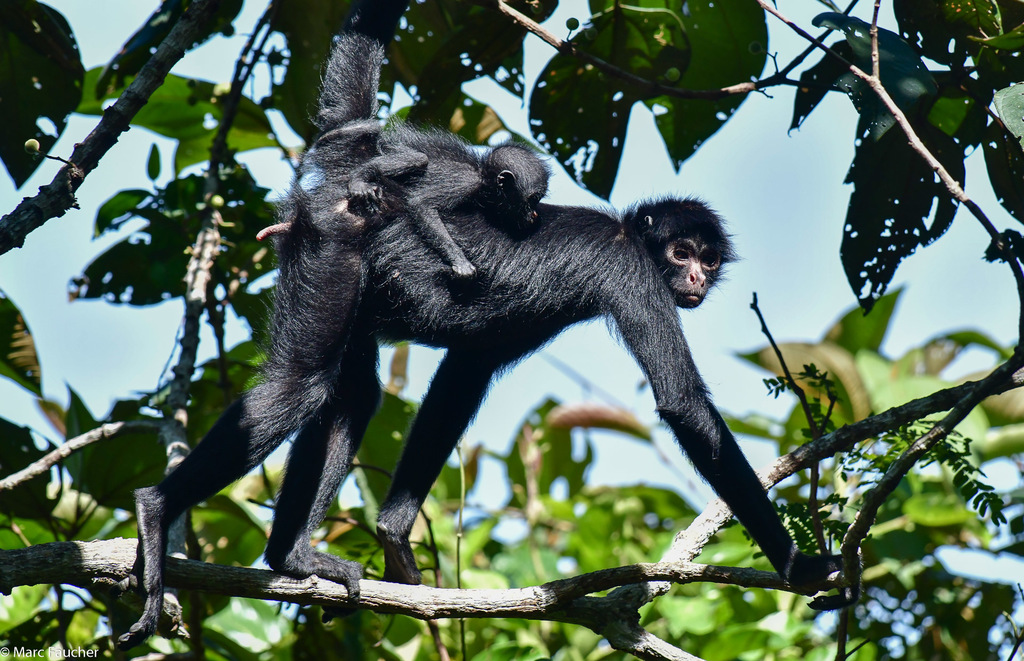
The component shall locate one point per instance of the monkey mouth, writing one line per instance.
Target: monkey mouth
(690, 300)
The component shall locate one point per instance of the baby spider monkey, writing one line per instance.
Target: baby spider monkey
(435, 172)
(438, 173)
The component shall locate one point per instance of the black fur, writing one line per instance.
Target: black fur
(437, 173)
(347, 283)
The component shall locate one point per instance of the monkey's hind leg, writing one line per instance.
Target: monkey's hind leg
(320, 459)
(433, 231)
(240, 440)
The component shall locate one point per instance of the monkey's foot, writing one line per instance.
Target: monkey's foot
(399, 561)
(146, 626)
(463, 270)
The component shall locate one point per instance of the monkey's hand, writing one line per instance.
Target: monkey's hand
(365, 194)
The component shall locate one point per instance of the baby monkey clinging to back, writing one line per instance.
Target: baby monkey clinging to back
(432, 172)
(439, 173)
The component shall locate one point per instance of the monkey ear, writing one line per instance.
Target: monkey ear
(506, 177)
(649, 221)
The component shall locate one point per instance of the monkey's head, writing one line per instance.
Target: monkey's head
(687, 241)
(515, 181)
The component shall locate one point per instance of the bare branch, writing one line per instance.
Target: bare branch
(75, 444)
(55, 198)
(93, 565)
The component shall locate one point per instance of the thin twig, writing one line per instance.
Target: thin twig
(790, 381)
(646, 88)
(954, 188)
(65, 450)
(812, 424)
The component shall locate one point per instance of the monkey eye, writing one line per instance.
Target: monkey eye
(680, 254)
(711, 260)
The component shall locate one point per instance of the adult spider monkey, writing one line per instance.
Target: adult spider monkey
(347, 283)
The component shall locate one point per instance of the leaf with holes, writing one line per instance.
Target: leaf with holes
(894, 194)
(40, 82)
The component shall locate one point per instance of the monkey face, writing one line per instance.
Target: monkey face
(694, 267)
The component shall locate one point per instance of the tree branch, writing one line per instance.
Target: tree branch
(54, 199)
(646, 88)
(66, 449)
(688, 543)
(106, 563)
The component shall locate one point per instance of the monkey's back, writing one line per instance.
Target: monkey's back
(529, 288)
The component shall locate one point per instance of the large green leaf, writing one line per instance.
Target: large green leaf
(1004, 160)
(18, 359)
(710, 45)
(728, 44)
(18, 450)
(110, 470)
(40, 81)
(894, 194)
(1009, 103)
(181, 108)
(902, 73)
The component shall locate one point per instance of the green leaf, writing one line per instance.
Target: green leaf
(153, 164)
(18, 359)
(1011, 41)
(29, 499)
(1009, 104)
(902, 73)
(937, 510)
(110, 470)
(118, 209)
(729, 43)
(816, 82)
(40, 81)
(943, 29)
(856, 330)
(1004, 159)
(894, 194)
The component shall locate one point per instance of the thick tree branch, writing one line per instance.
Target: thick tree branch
(106, 563)
(55, 198)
